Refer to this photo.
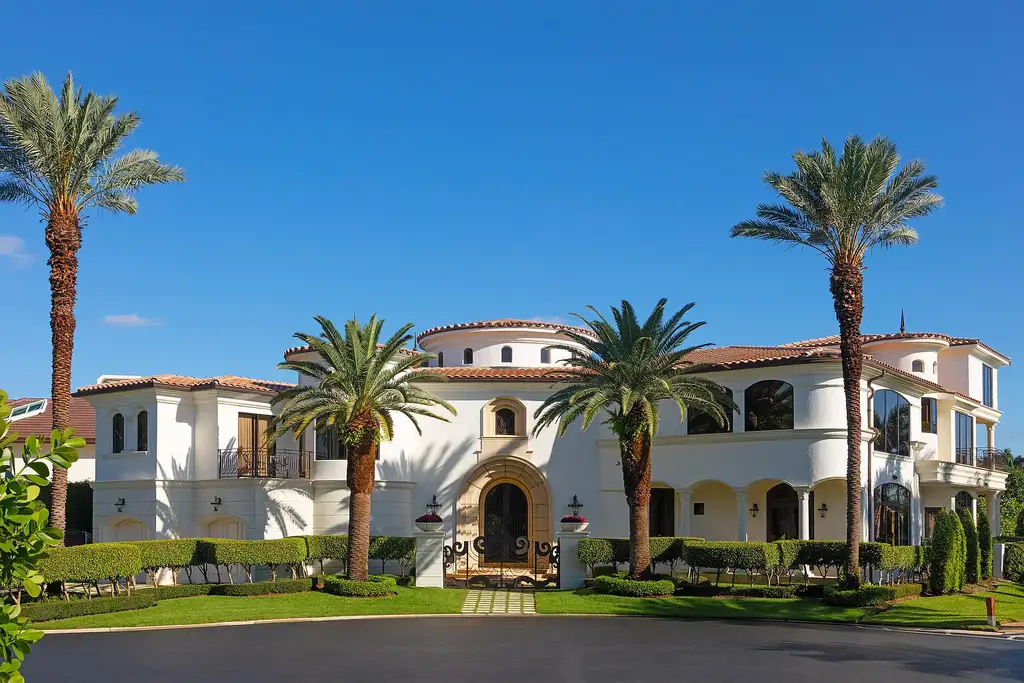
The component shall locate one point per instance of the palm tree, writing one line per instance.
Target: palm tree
(622, 372)
(358, 385)
(842, 207)
(58, 154)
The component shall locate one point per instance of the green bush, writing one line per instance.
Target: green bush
(705, 589)
(56, 608)
(183, 590)
(1013, 562)
(947, 554)
(667, 550)
(262, 587)
(754, 557)
(822, 555)
(869, 596)
(985, 546)
(171, 553)
(320, 547)
(613, 585)
(1018, 530)
(972, 559)
(400, 549)
(92, 562)
(376, 587)
(273, 552)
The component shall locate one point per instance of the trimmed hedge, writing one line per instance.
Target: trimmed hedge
(320, 547)
(666, 550)
(972, 560)
(400, 549)
(262, 587)
(171, 553)
(705, 589)
(92, 562)
(869, 596)
(1013, 562)
(48, 610)
(182, 590)
(985, 546)
(289, 551)
(375, 587)
(754, 557)
(947, 554)
(612, 585)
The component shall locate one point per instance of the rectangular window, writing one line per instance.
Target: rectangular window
(930, 515)
(329, 447)
(698, 509)
(662, 512)
(986, 386)
(929, 416)
(964, 439)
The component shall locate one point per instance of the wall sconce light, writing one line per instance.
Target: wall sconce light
(917, 446)
(823, 510)
(216, 503)
(119, 504)
(754, 510)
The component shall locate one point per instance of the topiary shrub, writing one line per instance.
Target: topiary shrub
(972, 558)
(184, 590)
(92, 563)
(667, 550)
(1013, 562)
(320, 547)
(400, 549)
(262, 587)
(823, 556)
(947, 554)
(985, 546)
(48, 610)
(707, 590)
(172, 553)
(612, 585)
(869, 596)
(273, 552)
(375, 587)
(754, 557)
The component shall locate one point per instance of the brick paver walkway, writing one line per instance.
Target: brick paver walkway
(487, 601)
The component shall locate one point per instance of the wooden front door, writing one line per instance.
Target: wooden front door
(506, 521)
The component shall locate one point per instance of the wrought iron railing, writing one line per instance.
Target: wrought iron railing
(982, 456)
(270, 463)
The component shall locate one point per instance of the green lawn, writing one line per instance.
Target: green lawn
(955, 611)
(210, 609)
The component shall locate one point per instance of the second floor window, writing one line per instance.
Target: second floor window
(698, 422)
(929, 416)
(467, 357)
(330, 447)
(142, 435)
(118, 435)
(545, 355)
(505, 422)
(506, 354)
(986, 386)
(964, 439)
(440, 359)
(768, 405)
(892, 420)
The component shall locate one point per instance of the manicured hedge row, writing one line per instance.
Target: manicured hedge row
(320, 547)
(615, 551)
(705, 589)
(1013, 562)
(248, 554)
(170, 553)
(869, 596)
(262, 587)
(93, 562)
(48, 610)
(753, 557)
(376, 587)
(613, 585)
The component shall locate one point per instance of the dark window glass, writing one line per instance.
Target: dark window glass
(892, 420)
(506, 354)
(964, 501)
(917, 366)
(662, 512)
(467, 357)
(964, 439)
(931, 515)
(545, 355)
(986, 385)
(892, 514)
(440, 359)
(769, 405)
(327, 445)
(505, 422)
(118, 433)
(698, 509)
(698, 422)
(142, 440)
(929, 416)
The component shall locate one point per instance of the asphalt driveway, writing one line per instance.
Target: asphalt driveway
(499, 649)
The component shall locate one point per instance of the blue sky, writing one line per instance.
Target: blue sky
(444, 162)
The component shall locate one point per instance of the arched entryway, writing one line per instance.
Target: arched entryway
(506, 519)
(783, 513)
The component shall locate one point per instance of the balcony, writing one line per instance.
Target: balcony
(265, 463)
(986, 458)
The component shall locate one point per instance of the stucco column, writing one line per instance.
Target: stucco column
(804, 494)
(571, 571)
(990, 432)
(952, 502)
(741, 514)
(994, 515)
(684, 496)
(429, 559)
(974, 509)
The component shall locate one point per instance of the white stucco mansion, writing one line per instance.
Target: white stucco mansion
(181, 456)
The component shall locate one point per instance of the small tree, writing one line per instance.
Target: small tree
(959, 560)
(972, 554)
(1018, 531)
(946, 555)
(24, 531)
(984, 545)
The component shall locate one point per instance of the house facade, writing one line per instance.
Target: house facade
(182, 456)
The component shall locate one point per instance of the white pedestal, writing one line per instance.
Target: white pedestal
(997, 560)
(571, 571)
(429, 559)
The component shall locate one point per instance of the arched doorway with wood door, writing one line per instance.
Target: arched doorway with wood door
(783, 513)
(506, 519)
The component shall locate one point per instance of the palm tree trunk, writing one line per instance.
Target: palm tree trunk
(636, 479)
(63, 238)
(361, 466)
(847, 285)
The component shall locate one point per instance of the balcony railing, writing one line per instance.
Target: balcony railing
(987, 458)
(269, 463)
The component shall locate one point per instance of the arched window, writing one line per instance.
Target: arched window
(892, 514)
(142, 433)
(505, 422)
(698, 422)
(964, 501)
(467, 356)
(506, 354)
(917, 366)
(769, 405)
(892, 420)
(118, 429)
(545, 355)
(440, 359)
(935, 367)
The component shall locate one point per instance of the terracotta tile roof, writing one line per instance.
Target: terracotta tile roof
(504, 323)
(259, 386)
(305, 348)
(83, 419)
(463, 373)
(867, 338)
(726, 357)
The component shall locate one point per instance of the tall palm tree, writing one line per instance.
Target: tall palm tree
(842, 207)
(358, 385)
(59, 154)
(622, 372)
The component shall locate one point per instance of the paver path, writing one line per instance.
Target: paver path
(488, 601)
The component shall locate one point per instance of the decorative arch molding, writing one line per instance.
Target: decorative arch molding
(204, 524)
(115, 525)
(504, 429)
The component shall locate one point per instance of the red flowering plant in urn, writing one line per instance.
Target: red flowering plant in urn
(574, 522)
(430, 521)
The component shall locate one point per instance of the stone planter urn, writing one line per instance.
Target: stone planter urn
(429, 523)
(573, 524)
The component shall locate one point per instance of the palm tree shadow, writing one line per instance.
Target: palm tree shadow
(435, 472)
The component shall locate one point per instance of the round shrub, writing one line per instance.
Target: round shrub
(1013, 562)
(613, 585)
(972, 559)
(375, 587)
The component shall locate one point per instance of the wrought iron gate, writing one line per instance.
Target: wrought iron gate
(483, 563)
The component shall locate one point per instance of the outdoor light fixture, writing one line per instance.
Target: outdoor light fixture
(575, 506)
(917, 446)
(754, 510)
(823, 510)
(119, 504)
(433, 506)
(216, 503)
